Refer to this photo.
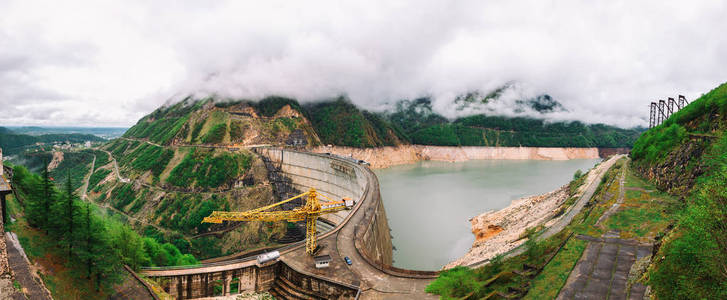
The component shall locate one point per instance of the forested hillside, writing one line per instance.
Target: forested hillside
(13, 143)
(89, 247)
(422, 126)
(687, 156)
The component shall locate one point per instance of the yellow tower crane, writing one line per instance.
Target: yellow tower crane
(308, 212)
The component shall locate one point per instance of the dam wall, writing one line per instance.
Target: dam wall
(339, 177)
(334, 178)
(383, 157)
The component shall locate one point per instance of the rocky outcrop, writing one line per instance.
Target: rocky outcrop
(384, 157)
(499, 231)
(677, 172)
(57, 159)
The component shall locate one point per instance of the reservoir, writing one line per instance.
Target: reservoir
(429, 204)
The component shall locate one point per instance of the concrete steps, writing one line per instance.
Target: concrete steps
(323, 227)
(284, 289)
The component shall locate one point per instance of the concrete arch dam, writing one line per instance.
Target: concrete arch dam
(361, 233)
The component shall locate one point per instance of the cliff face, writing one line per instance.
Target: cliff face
(676, 174)
(385, 157)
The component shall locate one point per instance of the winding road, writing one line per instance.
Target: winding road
(84, 188)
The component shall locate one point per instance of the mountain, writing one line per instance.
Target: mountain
(541, 104)
(422, 126)
(271, 120)
(185, 160)
(687, 156)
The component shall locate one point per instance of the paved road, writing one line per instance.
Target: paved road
(377, 284)
(32, 286)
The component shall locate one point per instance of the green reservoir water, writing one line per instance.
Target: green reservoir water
(429, 203)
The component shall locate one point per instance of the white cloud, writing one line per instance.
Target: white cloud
(109, 63)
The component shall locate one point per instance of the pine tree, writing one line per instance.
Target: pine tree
(47, 198)
(68, 212)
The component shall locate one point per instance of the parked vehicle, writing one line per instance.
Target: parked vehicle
(348, 260)
(266, 257)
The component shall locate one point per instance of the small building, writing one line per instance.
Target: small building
(322, 261)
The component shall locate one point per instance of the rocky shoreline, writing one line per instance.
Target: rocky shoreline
(497, 232)
(384, 157)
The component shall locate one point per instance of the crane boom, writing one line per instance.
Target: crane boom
(308, 212)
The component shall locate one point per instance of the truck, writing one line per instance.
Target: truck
(267, 257)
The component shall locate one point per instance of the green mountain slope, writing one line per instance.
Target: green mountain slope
(341, 123)
(687, 156)
(422, 126)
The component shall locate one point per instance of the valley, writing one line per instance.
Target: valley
(184, 161)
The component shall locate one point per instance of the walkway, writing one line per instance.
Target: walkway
(619, 201)
(32, 285)
(603, 270)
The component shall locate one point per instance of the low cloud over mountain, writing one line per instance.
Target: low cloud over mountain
(109, 63)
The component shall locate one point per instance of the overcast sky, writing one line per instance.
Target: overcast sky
(108, 63)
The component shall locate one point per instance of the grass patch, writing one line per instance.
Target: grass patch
(643, 215)
(557, 271)
(97, 176)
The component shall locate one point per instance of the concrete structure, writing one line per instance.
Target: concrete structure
(361, 233)
(5, 189)
(322, 261)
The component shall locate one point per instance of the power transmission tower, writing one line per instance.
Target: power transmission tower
(662, 113)
(652, 115)
(682, 102)
(670, 106)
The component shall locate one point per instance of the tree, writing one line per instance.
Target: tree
(47, 197)
(130, 246)
(67, 216)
